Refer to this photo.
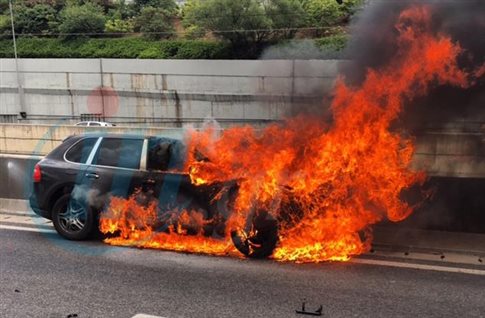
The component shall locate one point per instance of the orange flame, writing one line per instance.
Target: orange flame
(344, 176)
(133, 224)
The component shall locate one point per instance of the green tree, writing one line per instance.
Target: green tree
(3, 6)
(323, 13)
(5, 27)
(248, 24)
(105, 5)
(56, 4)
(155, 23)
(168, 5)
(119, 26)
(122, 10)
(87, 18)
(40, 18)
(285, 16)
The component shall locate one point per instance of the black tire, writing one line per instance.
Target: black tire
(73, 219)
(261, 240)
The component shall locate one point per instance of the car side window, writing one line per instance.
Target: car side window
(165, 154)
(117, 152)
(159, 152)
(94, 124)
(80, 151)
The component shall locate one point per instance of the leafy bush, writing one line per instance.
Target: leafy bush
(87, 18)
(5, 27)
(170, 6)
(40, 18)
(122, 10)
(194, 32)
(324, 48)
(115, 48)
(154, 23)
(323, 13)
(202, 50)
(247, 24)
(55, 4)
(119, 26)
(333, 43)
(3, 6)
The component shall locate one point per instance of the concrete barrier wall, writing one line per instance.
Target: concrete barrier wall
(174, 90)
(451, 154)
(16, 176)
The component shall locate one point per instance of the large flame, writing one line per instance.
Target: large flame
(134, 223)
(343, 176)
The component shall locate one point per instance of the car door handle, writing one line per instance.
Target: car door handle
(92, 175)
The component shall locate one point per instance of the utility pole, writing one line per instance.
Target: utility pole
(19, 81)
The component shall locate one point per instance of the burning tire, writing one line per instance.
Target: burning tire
(73, 219)
(260, 240)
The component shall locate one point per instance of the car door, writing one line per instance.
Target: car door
(115, 169)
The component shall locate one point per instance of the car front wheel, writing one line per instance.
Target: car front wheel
(73, 219)
(260, 240)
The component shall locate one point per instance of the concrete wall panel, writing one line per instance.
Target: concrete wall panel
(281, 68)
(160, 89)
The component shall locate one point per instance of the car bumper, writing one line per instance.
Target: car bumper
(35, 207)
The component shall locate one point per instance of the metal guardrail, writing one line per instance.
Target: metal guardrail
(172, 121)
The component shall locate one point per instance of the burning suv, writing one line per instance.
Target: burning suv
(76, 181)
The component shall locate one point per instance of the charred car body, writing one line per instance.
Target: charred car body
(74, 183)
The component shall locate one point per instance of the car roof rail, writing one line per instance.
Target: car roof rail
(67, 138)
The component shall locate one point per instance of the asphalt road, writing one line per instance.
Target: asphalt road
(42, 275)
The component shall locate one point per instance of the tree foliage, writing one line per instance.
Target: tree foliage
(115, 48)
(39, 18)
(5, 27)
(3, 6)
(246, 23)
(167, 5)
(323, 13)
(155, 23)
(246, 26)
(86, 18)
(119, 26)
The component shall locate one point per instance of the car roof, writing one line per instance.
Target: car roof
(114, 135)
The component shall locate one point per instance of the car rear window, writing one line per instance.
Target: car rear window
(116, 152)
(80, 151)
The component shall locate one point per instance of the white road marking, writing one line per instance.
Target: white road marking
(419, 266)
(26, 229)
(145, 316)
(23, 220)
(30, 221)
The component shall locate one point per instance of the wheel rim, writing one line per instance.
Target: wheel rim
(73, 219)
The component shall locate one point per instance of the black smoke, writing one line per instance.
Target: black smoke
(457, 203)
(373, 45)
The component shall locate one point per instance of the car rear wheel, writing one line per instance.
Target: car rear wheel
(73, 219)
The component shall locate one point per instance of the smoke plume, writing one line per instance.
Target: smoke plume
(373, 44)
